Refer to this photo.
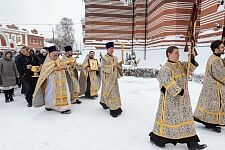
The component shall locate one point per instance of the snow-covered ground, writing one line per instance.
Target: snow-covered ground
(89, 127)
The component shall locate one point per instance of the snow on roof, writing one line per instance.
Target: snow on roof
(46, 44)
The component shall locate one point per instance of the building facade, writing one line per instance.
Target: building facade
(144, 24)
(212, 21)
(12, 37)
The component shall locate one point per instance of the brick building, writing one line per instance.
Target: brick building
(212, 21)
(148, 23)
(12, 37)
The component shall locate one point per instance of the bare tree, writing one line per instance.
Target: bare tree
(64, 33)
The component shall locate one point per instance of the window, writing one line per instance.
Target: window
(7, 35)
(19, 38)
(13, 37)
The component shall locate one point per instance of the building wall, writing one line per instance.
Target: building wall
(2, 40)
(113, 21)
(17, 37)
(106, 21)
(139, 19)
(209, 18)
(35, 42)
(167, 22)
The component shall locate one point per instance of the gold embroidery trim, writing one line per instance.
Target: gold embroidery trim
(179, 76)
(218, 99)
(182, 137)
(163, 114)
(176, 125)
(208, 112)
(170, 84)
(114, 100)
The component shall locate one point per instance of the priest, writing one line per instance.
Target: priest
(111, 72)
(90, 76)
(52, 88)
(72, 75)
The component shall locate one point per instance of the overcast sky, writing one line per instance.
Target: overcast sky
(42, 12)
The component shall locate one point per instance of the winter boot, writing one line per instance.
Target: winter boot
(116, 113)
(104, 105)
(66, 112)
(158, 144)
(195, 146)
(48, 109)
(11, 97)
(214, 128)
(6, 92)
(78, 102)
(12, 91)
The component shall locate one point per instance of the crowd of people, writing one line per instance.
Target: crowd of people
(59, 85)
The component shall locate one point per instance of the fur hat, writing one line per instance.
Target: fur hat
(68, 48)
(109, 44)
(52, 49)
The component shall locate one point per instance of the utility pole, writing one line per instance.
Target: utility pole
(146, 21)
(132, 49)
(53, 35)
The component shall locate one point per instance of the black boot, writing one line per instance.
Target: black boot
(12, 91)
(6, 92)
(11, 95)
(11, 98)
(94, 97)
(195, 146)
(66, 112)
(104, 105)
(116, 113)
(29, 101)
(78, 102)
(48, 109)
(214, 128)
(158, 144)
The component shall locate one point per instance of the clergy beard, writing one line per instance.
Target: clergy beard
(91, 57)
(69, 55)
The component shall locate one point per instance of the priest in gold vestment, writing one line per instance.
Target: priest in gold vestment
(111, 72)
(210, 109)
(174, 121)
(72, 75)
(52, 88)
(90, 77)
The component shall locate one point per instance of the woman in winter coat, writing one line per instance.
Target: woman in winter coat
(8, 75)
